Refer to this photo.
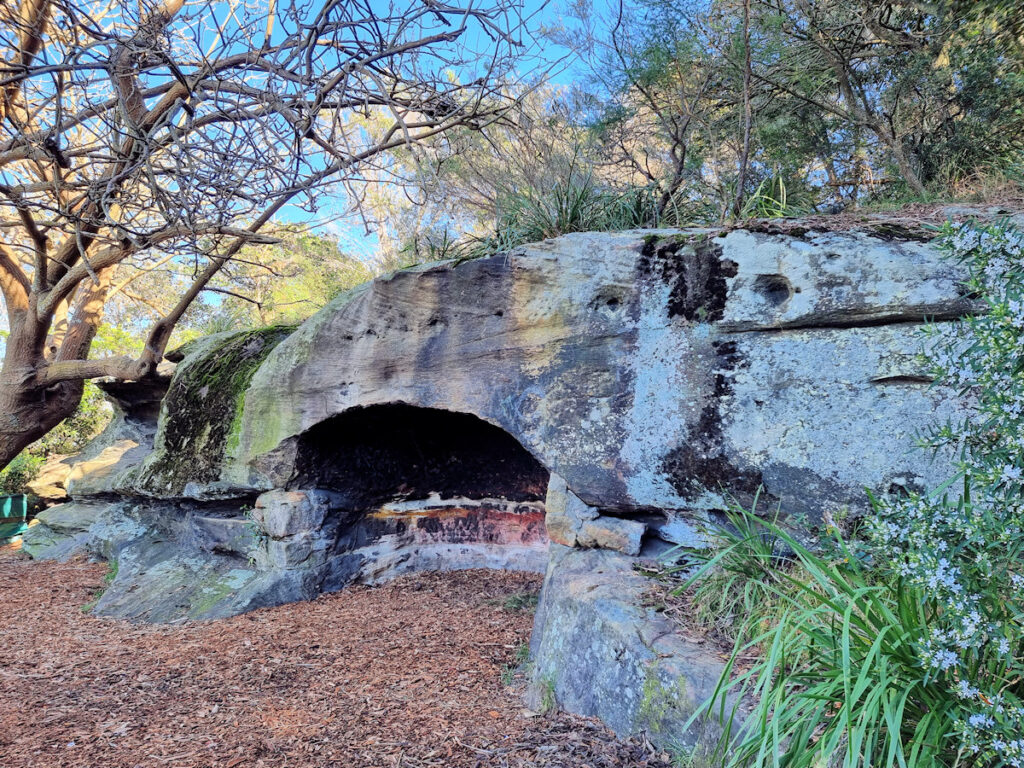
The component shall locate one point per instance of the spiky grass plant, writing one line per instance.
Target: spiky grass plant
(836, 678)
(733, 586)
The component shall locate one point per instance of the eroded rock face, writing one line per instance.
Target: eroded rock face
(659, 376)
(178, 561)
(572, 523)
(669, 371)
(609, 391)
(199, 415)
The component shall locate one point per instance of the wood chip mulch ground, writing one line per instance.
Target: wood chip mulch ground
(407, 675)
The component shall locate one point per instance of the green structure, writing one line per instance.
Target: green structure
(13, 515)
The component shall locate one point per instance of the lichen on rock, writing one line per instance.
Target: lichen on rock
(694, 268)
(199, 418)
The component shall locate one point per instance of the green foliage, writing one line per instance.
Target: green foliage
(577, 202)
(693, 757)
(108, 578)
(68, 437)
(20, 472)
(918, 106)
(519, 663)
(521, 602)
(71, 435)
(961, 544)
(734, 589)
(548, 699)
(769, 201)
(522, 654)
(837, 680)
(112, 340)
(518, 602)
(280, 284)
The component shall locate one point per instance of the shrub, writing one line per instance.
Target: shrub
(961, 544)
(836, 679)
(71, 435)
(908, 651)
(19, 473)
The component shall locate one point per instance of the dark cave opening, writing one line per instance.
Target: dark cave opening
(381, 453)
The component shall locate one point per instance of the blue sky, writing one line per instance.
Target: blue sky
(564, 70)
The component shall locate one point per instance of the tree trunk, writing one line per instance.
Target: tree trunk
(27, 410)
(741, 181)
(903, 163)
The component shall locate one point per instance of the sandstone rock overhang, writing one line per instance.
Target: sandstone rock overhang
(662, 375)
(653, 371)
(605, 392)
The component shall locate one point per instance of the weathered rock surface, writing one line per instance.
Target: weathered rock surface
(666, 372)
(571, 523)
(175, 562)
(50, 485)
(608, 391)
(598, 651)
(90, 528)
(126, 442)
(199, 416)
(669, 371)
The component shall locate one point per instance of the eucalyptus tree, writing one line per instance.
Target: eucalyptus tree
(134, 135)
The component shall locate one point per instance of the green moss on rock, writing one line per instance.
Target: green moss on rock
(201, 414)
(661, 703)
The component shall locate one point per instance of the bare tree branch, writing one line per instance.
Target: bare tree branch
(159, 136)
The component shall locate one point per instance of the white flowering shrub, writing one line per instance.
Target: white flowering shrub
(961, 545)
(906, 649)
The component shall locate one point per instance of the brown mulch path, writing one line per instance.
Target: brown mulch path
(406, 675)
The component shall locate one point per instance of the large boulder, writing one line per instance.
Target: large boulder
(49, 486)
(605, 393)
(671, 371)
(656, 377)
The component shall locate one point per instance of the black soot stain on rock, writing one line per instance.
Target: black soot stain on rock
(699, 463)
(694, 269)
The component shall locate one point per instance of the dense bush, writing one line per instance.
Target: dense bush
(20, 472)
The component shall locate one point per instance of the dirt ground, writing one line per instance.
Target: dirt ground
(404, 675)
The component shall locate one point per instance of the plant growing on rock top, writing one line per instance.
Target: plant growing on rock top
(909, 651)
